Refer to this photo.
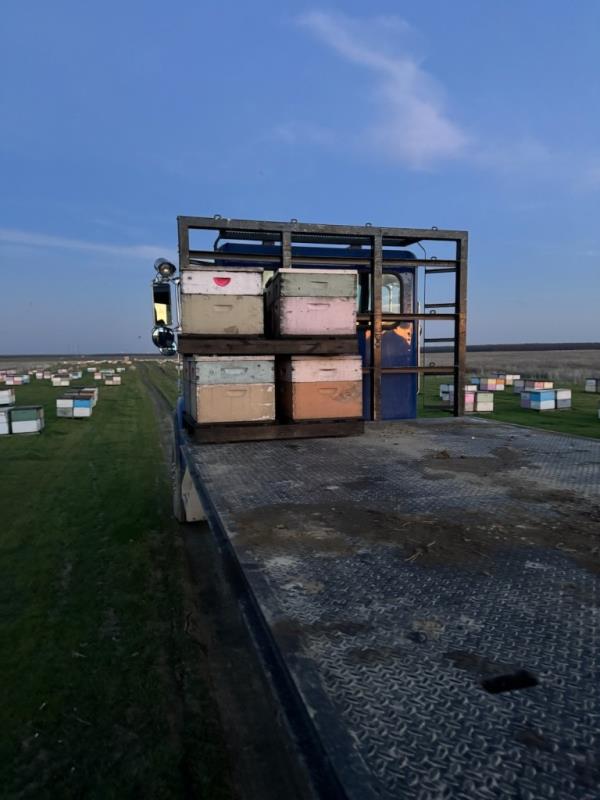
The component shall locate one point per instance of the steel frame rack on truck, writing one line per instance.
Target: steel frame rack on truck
(388, 337)
(423, 599)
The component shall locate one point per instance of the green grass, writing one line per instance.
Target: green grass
(165, 377)
(94, 659)
(581, 419)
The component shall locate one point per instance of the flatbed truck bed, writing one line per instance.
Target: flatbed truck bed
(425, 599)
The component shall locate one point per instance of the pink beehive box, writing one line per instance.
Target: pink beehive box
(303, 302)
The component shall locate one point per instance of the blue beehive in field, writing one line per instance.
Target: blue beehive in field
(542, 399)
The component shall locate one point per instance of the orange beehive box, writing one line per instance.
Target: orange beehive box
(315, 387)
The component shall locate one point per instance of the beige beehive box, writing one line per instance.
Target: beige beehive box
(221, 302)
(219, 389)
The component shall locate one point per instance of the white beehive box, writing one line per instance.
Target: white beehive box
(7, 397)
(4, 421)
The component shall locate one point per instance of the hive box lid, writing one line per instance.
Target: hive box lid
(222, 281)
(230, 358)
(314, 369)
(298, 282)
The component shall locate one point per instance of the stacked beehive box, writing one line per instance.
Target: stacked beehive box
(319, 387)
(7, 397)
(222, 302)
(4, 421)
(592, 385)
(518, 385)
(476, 401)
(546, 399)
(318, 303)
(537, 385)
(77, 404)
(563, 398)
(491, 384)
(311, 303)
(93, 391)
(507, 377)
(26, 419)
(220, 389)
(311, 309)
(112, 380)
(59, 380)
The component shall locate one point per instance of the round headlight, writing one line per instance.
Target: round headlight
(163, 336)
(164, 268)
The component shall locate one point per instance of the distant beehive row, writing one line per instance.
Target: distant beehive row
(78, 403)
(537, 395)
(295, 303)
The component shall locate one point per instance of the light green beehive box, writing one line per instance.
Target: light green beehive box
(25, 414)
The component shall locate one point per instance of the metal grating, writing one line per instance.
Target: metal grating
(388, 652)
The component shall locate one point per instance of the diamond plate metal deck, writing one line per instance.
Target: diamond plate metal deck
(398, 570)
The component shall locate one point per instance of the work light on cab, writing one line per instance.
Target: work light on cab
(165, 268)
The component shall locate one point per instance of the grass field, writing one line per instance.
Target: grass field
(104, 692)
(581, 419)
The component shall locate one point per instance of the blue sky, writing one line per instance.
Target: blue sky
(117, 116)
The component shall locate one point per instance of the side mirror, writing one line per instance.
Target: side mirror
(171, 350)
(163, 337)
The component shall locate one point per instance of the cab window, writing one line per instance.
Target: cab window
(391, 293)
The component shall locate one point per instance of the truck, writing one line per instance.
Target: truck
(423, 596)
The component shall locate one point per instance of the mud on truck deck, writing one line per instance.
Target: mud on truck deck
(426, 598)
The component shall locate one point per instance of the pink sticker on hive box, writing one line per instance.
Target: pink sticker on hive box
(222, 281)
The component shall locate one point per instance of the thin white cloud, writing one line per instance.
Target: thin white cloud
(302, 132)
(413, 126)
(33, 239)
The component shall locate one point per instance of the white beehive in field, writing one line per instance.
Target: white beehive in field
(7, 397)
(4, 421)
(64, 407)
(26, 419)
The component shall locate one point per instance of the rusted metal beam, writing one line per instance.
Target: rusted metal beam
(376, 319)
(286, 250)
(184, 242)
(460, 326)
(409, 317)
(258, 226)
(449, 370)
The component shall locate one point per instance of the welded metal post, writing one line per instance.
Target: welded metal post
(183, 235)
(286, 249)
(460, 325)
(376, 283)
